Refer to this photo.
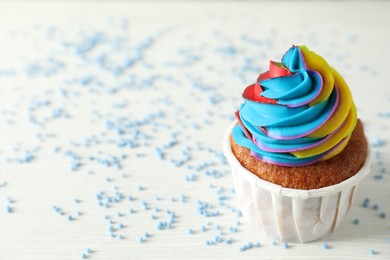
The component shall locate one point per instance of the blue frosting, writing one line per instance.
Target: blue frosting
(278, 129)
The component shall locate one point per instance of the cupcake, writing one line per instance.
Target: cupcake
(297, 149)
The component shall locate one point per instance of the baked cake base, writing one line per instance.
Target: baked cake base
(314, 176)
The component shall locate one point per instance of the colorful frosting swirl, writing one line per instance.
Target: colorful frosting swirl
(297, 113)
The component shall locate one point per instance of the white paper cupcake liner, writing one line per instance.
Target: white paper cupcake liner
(291, 215)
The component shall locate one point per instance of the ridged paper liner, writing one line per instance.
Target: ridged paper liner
(291, 215)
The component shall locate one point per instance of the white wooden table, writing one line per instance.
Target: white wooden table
(112, 117)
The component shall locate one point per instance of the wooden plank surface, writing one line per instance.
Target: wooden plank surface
(102, 101)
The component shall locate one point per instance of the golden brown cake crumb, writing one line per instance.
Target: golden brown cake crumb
(314, 176)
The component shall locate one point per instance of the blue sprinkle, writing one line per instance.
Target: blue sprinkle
(209, 242)
(377, 154)
(172, 218)
(191, 178)
(85, 80)
(229, 241)
(356, 221)
(145, 205)
(383, 215)
(159, 153)
(378, 177)
(375, 207)
(233, 229)
(141, 239)
(366, 202)
(84, 256)
(378, 142)
(274, 242)
(183, 198)
(131, 211)
(217, 239)
(161, 225)
(8, 209)
(372, 251)
(285, 245)
(249, 245)
(88, 251)
(195, 126)
(243, 248)
(325, 246)
(70, 218)
(190, 231)
(147, 235)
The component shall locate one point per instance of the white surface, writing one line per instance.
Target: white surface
(351, 36)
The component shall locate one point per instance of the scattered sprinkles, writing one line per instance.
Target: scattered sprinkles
(372, 251)
(325, 246)
(122, 131)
